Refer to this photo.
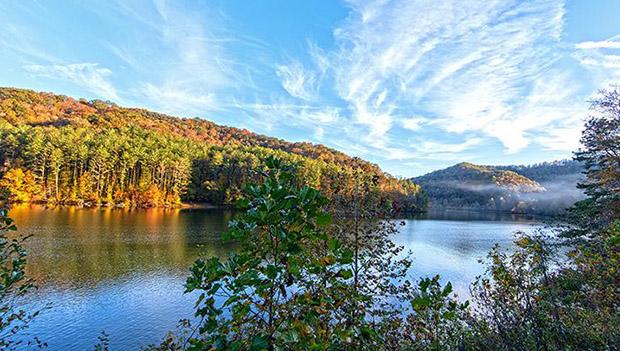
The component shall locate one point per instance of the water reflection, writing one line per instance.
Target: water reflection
(452, 243)
(77, 247)
(123, 271)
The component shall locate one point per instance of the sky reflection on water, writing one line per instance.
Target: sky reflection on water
(123, 271)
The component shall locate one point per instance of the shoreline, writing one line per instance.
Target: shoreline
(489, 211)
(183, 205)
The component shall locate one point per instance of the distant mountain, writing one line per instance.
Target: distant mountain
(546, 188)
(58, 149)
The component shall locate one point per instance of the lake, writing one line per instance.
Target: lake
(123, 271)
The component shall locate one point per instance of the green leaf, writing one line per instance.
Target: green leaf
(214, 289)
(424, 284)
(346, 257)
(367, 332)
(450, 315)
(259, 343)
(420, 303)
(448, 289)
(323, 219)
(333, 244)
(271, 271)
(242, 203)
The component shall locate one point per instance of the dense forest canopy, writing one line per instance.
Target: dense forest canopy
(57, 149)
(545, 188)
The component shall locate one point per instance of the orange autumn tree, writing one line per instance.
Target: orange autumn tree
(20, 185)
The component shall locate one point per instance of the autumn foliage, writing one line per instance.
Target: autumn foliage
(94, 152)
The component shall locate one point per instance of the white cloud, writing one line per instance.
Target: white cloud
(17, 40)
(605, 44)
(602, 58)
(324, 116)
(413, 124)
(297, 81)
(172, 99)
(124, 55)
(473, 66)
(560, 139)
(432, 147)
(181, 59)
(319, 57)
(285, 115)
(477, 72)
(482, 70)
(87, 75)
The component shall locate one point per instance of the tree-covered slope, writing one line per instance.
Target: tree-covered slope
(476, 176)
(54, 148)
(543, 188)
(549, 172)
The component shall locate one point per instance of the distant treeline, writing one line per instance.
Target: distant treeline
(548, 172)
(60, 150)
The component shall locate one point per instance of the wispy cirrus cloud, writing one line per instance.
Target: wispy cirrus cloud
(447, 148)
(602, 57)
(612, 43)
(414, 123)
(170, 98)
(466, 64)
(89, 76)
(16, 38)
(298, 81)
(474, 70)
(477, 72)
(469, 67)
(284, 114)
(187, 48)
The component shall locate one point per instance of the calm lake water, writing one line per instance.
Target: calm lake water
(122, 272)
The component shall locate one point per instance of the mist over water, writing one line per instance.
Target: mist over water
(564, 188)
(551, 198)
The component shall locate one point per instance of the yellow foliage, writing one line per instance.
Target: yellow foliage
(20, 184)
(152, 197)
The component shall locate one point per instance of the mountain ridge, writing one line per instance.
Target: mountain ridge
(481, 173)
(505, 188)
(64, 150)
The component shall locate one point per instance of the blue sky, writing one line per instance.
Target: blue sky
(411, 85)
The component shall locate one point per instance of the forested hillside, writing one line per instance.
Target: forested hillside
(546, 188)
(549, 172)
(54, 148)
